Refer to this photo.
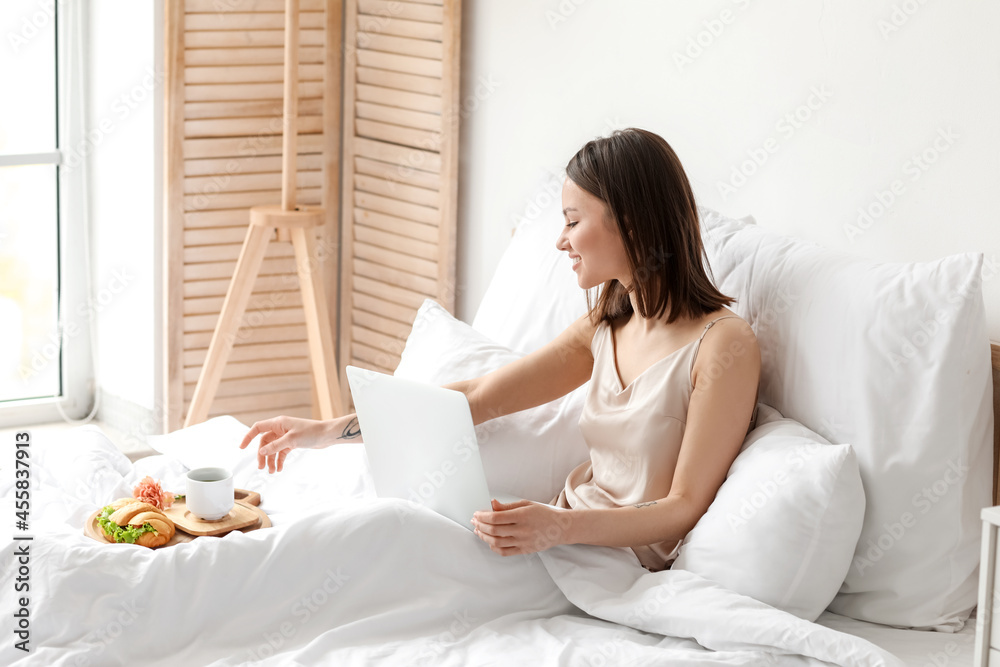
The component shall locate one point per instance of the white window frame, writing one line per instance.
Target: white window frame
(78, 393)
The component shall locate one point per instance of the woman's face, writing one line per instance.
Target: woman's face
(591, 239)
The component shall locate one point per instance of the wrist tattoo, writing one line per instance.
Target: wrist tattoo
(352, 430)
(652, 502)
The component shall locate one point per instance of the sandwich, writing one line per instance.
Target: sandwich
(135, 522)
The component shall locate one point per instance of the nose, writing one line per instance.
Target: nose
(562, 243)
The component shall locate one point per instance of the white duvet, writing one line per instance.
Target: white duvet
(344, 578)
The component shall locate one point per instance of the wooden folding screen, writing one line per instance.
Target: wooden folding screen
(400, 164)
(222, 149)
(395, 223)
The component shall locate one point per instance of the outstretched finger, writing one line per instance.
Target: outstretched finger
(281, 458)
(251, 434)
(262, 448)
(274, 444)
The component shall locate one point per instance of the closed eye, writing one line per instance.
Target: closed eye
(571, 224)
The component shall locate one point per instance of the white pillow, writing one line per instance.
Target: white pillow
(893, 358)
(783, 526)
(528, 453)
(533, 295)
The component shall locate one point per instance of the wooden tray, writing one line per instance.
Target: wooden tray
(245, 508)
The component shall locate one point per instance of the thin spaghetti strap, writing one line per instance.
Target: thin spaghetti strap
(709, 325)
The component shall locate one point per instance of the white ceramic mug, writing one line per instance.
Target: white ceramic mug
(209, 493)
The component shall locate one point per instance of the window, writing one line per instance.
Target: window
(40, 371)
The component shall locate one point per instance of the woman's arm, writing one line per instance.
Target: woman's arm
(283, 434)
(542, 376)
(725, 376)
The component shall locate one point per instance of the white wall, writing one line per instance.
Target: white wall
(887, 82)
(125, 100)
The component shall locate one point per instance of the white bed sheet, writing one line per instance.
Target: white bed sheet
(421, 589)
(914, 647)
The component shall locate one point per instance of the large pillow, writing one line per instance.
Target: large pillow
(527, 454)
(893, 358)
(533, 295)
(783, 526)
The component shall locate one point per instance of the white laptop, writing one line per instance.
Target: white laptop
(421, 444)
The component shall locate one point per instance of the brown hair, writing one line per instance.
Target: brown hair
(640, 179)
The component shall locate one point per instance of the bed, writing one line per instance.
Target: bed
(877, 397)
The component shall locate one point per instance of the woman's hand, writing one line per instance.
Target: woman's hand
(523, 527)
(283, 434)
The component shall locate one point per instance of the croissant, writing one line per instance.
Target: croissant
(124, 521)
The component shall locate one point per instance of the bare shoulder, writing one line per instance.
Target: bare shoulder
(581, 332)
(729, 349)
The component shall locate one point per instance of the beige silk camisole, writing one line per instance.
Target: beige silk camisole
(634, 435)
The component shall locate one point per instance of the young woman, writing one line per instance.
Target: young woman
(669, 403)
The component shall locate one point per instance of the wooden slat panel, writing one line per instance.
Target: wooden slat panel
(250, 21)
(226, 252)
(209, 270)
(383, 324)
(219, 39)
(398, 63)
(250, 74)
(397, 116)
(394, 190)
(248, 418)
(236, 6)
(229, 166)
(211, 236)
(411, 158)
(236, 182)
(277, 316)
(393, 293)
(379, 359)
(243, 146)
(282, 350)
(400, 27)
(244, 108)
(256, 368)
(409, 82)
(402, 314)
(272, 403)
(216, 287)
(389, 10)
(203, 219)
(258, 301)
(244, 200)
(400, 226)
(250, 335)
(369, 366)
(245, 386)
(396, 260)
(246, 91)
(420, 48)
(271, 55)
(397, 174)
(376, 237)
(399, 98)
(241, 127)
(397, 208)
(410, 281)
(396, 134)
(400, 179)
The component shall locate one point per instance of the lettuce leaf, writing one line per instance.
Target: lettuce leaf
(128, 534)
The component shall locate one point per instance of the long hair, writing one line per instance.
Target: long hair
(640, 179)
